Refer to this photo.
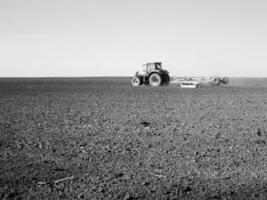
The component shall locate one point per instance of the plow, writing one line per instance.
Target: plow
(200, 81)
(152, 74)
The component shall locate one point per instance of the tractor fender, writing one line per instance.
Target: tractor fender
(155, 71)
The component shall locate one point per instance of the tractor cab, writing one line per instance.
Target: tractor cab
(152, 66)
(149, 67)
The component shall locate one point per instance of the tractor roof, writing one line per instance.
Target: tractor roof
(156, 63)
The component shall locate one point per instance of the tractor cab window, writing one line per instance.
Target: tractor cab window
(150, 67)
(158, 66)
(144, 69)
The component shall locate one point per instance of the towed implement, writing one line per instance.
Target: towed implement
(201, 81)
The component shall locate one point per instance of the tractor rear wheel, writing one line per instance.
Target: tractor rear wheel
(155, 80)
(166, 79)
(136, 81)
(225, 80)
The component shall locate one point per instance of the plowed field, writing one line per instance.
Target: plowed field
(100, 138)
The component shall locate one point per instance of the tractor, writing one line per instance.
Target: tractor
(152, 74)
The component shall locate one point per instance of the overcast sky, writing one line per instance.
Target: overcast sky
(115, 37)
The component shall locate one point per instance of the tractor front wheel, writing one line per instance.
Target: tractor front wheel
(217, 81)
(155, 80)
(136, 81)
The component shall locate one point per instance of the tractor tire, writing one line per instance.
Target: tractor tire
(217, 81)
(136, 81)
(167, 79)
(155, 80)
(225, 80)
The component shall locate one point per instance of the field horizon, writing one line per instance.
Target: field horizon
(234, 81)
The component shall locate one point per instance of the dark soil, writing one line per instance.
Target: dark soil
(103, 139)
